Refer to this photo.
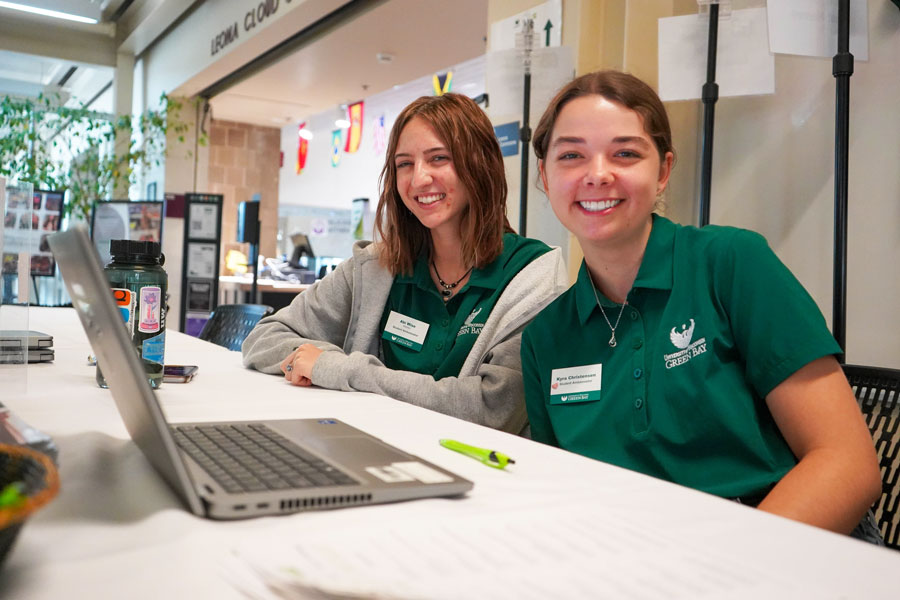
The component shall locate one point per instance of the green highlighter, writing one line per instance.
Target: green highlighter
(491, 458)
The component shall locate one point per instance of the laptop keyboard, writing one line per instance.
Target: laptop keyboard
(252, 457)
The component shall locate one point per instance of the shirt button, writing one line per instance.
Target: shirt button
(638, 373)
(638, 402)
(638, 343)
(634, 315)
(439, 346)
(445, 322)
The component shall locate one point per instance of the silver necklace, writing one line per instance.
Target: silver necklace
(447, 292)
(612, 328)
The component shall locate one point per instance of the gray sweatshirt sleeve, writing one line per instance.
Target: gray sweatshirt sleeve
(318, 316)
(493, 396)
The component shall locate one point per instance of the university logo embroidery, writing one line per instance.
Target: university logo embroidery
(687, 349)
(682, 339)
(470, 327)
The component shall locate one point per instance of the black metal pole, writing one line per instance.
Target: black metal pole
(710, 95)
(525, 137)
(842, 69)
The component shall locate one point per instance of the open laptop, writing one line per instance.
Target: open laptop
(336, 464)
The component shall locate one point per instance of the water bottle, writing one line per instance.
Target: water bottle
(138, 284)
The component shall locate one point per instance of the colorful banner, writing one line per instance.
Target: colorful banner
(302, 148)
(379, 134)
(336, 143)
(354, 134)
(442, 83)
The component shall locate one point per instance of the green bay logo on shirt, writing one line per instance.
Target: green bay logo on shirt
(470, 328)
(687, 349)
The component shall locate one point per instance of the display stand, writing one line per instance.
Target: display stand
(842, 69)
(527, 47)
(200, 260)
(709, 97)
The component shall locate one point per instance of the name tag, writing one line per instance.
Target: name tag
(405, 331)
(575, 384)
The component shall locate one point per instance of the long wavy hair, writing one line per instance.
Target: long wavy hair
(467, 133)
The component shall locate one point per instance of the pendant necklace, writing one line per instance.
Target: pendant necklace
(612, 328)
(447, 292)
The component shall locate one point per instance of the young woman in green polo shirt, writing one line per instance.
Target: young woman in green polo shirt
(432, 313)
(689, 354)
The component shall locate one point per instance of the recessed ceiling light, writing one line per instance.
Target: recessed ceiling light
(46, 12)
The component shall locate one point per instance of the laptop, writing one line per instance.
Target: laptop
(20, 346)
(299, 464)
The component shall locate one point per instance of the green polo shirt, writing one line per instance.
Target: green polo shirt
(452, 326)
(714, 322)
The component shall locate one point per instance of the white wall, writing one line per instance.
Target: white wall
(321, 184)
(773, 168)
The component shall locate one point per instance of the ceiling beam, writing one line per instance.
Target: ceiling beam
(144, 22)
(91, 44)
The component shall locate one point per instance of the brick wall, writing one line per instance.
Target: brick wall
(244, 160)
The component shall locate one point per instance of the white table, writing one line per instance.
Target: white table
(554, 525)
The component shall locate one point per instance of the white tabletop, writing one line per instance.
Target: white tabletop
(554, 525)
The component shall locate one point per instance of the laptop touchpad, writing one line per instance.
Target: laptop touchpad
(356, 452)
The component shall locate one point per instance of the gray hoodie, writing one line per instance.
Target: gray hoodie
(341, 314)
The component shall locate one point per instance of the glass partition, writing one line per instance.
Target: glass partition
(19, 241)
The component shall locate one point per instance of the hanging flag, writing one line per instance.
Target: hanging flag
(354, 134)
(336, 143)
(379, 134)
(302, 147)
(442, 83)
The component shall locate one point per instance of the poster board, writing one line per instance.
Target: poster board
(29, 217)
(200, 260)
(140, 220)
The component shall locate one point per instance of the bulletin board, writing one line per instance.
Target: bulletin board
(200, 260)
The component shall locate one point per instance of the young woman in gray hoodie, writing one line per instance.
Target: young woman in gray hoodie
(432, 312)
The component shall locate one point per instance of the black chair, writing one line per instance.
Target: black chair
(230, 324)
(878, 392)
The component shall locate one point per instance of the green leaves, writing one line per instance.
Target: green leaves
(65, 148)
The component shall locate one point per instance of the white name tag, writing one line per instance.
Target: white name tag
(575, 384)
(405, 331)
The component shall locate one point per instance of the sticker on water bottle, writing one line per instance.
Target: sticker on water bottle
(153, 349)
(125, 303)
(151, 310)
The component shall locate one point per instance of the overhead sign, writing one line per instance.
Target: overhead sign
(248, 20)
(547, 19)
(508, 138)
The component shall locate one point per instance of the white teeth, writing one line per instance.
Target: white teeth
(430, 199)
(599, 205)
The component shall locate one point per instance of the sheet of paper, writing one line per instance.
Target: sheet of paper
(551, 68)
(809, 28)
(744, 65)
(577, 554)
(547, 18)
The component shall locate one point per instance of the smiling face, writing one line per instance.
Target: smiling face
(602, 172)
(427, 181)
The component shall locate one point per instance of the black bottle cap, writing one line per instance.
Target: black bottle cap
(135, 250)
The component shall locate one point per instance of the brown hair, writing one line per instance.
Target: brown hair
(615, 86)
(469, 136)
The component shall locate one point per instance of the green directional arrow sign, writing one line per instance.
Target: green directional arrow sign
(547, 27)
